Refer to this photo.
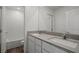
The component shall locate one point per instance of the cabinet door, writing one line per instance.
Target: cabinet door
(38, 49)
(38, 46)
(52, 49)
(44, 51)
(31, 44)
(38, 42)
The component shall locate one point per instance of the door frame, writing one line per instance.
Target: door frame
(3, 33)
(52, 22)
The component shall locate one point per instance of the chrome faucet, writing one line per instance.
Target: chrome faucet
(66, 35)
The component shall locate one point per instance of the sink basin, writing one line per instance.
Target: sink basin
(65, 42)
(36, 34)
(47, 35)
(44, 36)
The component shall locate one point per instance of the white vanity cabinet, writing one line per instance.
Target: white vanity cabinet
(36, 45)
(51, 49)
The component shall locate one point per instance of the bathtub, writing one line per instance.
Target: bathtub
(13, 44)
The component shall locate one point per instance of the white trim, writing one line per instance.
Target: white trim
(3, 34)
(25, 32)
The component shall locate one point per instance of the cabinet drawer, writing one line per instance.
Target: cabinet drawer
(52, 49)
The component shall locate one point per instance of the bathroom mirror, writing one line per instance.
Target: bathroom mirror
(66, 19)
(72, 21)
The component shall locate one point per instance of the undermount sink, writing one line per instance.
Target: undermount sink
(64, 42)
(46, 36)
(36, 34)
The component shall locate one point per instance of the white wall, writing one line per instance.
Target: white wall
(31, 18)
(37, 18)
(15, 24)
(65, 20)
(44, 19)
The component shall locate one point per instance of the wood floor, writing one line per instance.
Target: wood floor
(16, 50)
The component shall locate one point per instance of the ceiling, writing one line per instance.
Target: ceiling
(54, 7)
(19, 8)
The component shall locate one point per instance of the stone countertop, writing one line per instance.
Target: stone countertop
(46, 39)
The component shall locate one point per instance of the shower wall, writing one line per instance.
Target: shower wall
(15, 24)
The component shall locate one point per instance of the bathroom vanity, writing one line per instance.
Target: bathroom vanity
(47, 43)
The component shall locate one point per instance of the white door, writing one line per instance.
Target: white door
(3, 33)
